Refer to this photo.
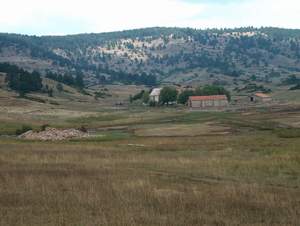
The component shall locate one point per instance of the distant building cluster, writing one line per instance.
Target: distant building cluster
(212, 102)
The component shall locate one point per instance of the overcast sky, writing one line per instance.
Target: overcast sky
(58, 17)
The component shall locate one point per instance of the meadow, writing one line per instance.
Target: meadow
(154, 167)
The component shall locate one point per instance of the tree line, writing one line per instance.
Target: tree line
(68, 79)
(20, 80)
(25, 82)
(126, 78)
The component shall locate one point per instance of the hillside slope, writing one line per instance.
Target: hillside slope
(265, 55)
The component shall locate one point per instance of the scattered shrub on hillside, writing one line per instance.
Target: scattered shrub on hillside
(59, 87)
(252, 87)
(84, 92)
(291, 80)
(101, 94)
(296, 87)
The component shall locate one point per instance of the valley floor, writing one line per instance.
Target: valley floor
(153, 167)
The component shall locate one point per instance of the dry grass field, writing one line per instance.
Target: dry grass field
(168, 167)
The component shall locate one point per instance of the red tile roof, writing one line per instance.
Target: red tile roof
(214, 97)
(262, 95)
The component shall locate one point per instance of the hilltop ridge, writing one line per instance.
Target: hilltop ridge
(151, 55)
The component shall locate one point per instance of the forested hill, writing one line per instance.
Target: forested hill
(148, 56)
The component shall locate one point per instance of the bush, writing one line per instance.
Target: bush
(44, 127)
(101, 94)
(83, 129)
(84, 92)
(24, 129)
(146, 97)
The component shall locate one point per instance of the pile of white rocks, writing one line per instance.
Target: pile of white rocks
(52, 134)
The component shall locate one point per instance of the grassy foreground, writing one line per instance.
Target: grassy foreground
(157, 167)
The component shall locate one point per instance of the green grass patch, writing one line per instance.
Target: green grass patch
(288, 133)
(261, 125)
(99, 118)
(192, 117)
(107, 136)
(11, 128)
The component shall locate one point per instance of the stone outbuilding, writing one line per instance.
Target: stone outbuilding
(260, 97)
(208, 102)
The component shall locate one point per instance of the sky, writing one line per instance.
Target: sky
(61, 17)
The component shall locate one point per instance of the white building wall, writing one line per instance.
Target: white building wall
(208, 103)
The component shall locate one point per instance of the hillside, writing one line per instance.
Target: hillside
(232, 57)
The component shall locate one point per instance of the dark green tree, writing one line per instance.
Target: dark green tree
(68, 80)
(138, 96)
(184, 96)
(79, 80)
(168, 95)
(291, 80)
(146, 97)
(59, 87)
(24, 82)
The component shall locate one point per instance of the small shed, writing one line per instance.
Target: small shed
(154, 95)
(260, 97)
(208, 102)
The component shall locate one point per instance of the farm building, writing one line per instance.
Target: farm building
(208, 102)
(260, 97)
(154, 95)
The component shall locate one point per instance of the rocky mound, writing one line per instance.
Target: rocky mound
(53, 134)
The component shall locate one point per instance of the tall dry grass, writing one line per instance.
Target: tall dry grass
(250, 179)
